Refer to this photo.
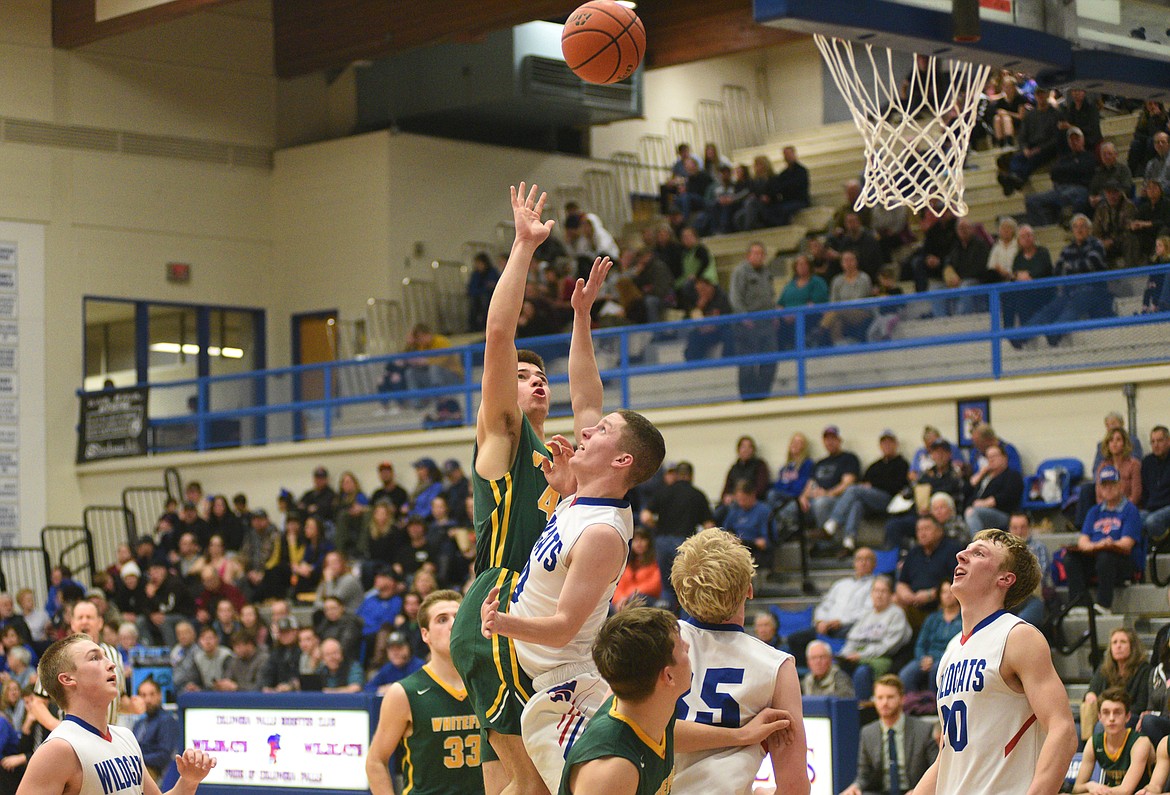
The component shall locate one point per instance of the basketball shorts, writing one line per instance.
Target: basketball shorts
(560, 708)
(496, 685)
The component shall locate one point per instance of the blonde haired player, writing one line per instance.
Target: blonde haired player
(736, 678)
(85, 755)
(1006, 726)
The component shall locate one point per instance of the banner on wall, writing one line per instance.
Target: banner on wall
(113, 424)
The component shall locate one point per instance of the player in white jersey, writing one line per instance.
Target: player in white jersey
(563, 594)
(85, 755)
(738, 682)
(1006, 726)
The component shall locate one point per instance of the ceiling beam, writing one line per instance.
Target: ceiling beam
(75, 21)
(317, 34)
(681, 31)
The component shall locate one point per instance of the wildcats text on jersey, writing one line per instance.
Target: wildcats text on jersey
(962, 676)
(120, 773)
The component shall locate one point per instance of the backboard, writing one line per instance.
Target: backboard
(1105, 46)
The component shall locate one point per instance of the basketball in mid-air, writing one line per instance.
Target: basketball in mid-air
(603, 42)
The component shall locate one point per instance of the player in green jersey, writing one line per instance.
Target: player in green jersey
(513, 500)
(429, 714)
(1123, 754)
(628, 746)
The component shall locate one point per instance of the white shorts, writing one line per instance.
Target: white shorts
(556, 715)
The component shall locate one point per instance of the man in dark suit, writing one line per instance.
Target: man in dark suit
(909, 739)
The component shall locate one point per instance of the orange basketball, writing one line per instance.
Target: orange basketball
(603, 42)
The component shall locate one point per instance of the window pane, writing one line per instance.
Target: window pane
(173, 344)
(232, 348)
(109, 343)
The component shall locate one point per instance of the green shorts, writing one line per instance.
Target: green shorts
(496, 685)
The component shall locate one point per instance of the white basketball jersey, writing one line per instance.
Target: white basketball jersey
(108, 766)
(733, 678)
(991, 740)
(539, 587)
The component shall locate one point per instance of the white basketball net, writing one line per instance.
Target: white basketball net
(914, 145)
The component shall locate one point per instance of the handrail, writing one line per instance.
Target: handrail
(620, 345)
(1089, 636)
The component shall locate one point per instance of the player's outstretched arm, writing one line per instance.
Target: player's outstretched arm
(1086, 770)
(790, 760)
(498, 423)
(393, 721)
(613, 775)
(1028, 656)
(690, 736)
(585, 388)
(53, 770)
(929, 781)
(594, 562)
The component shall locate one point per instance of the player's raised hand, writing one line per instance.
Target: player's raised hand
(194, 765)
(526, 212)
(585, 293)
(488, 612)
(557, 471)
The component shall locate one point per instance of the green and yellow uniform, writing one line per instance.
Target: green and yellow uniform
(1115, 766)
(510, 514)
(443, 727)
(610, 733)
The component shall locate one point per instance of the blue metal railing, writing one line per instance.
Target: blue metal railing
(652, 365)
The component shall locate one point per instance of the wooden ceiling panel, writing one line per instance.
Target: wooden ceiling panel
(75, 21)
(681, 31)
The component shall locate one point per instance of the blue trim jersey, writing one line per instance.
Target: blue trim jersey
(733, 678)
(111, 764)
(538, 590)
(991, 740)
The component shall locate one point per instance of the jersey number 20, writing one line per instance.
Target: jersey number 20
(954, 719)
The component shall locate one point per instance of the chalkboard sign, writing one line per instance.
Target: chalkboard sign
(113, 424)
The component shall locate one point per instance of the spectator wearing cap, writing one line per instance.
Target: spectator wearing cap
(883, 479)
(832, 475)
(1110, 544)
(129, 595)
(1071, 174)
(429, 486)
(418, 548)
(350, 517)
(260, 541)
(1109, 169)
(1111, 221)
(944, 476)
(382, 604)
(321, 500)
(167, 603)
(335, 621)
(390, 490)
(922, 459)
(674, 513)
(283, 666)
(457, 490)
(401, 664)
(191, 522)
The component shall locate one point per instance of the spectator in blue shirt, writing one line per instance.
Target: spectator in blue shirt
(937, 631)
(785, 494)
(157, 731)
(381, 605)
(402, 663)
(1110, 543)
(751, 521)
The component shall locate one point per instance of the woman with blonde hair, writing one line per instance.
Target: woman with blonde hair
(784, 496)
(1115, 450)
(1125, 666)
